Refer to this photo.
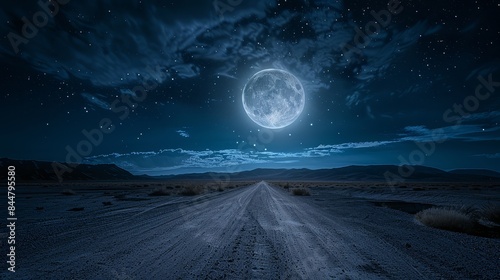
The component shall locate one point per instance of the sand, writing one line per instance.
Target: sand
(253, 232)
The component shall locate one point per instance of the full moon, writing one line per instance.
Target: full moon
(273, 98)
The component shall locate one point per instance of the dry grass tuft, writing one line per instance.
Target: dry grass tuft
(300, 191)
(191, 190)
(447, 219)
(160, 191)
(491, 212)
(68, 192)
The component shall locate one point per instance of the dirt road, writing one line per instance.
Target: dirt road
(255, 232)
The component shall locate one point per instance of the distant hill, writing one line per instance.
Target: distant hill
(480, 172)
(348, 173)
(32, 170)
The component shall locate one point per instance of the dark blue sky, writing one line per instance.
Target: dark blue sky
(156, 85)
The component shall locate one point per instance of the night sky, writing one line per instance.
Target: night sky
(162, 82)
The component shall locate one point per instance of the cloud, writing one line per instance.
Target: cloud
(157, 42)
(492, 156)
(186, 70)
(152, 40)
(173, 161)
(369, 112)
(485, 69)
(490, 116)
(180, 159)
(94, 100)
(456, 132)
(128, 92)
(339, 148)
(183, 133)
(352, 99)
(369, 65)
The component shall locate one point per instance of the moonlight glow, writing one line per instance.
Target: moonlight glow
(273, 98)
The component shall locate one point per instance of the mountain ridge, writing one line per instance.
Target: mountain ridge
(347, 173)
(32, 170)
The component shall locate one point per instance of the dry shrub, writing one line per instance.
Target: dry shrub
(161, 191)
(447, 219)
(191, 190)
(68, 192)
(300, 191)
(491, 212)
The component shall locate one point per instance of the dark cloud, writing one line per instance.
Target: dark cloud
(113, 45)
(366, 103)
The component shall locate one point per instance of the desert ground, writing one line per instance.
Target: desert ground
(247, 230)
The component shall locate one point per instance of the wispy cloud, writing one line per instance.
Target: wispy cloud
(463, 132)
(95, 100)
(490, 116)
(163, 38)
(127, 92)
(157, 40)
(497, 155)
(339, 148)
(183, 133)
(181, 159)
